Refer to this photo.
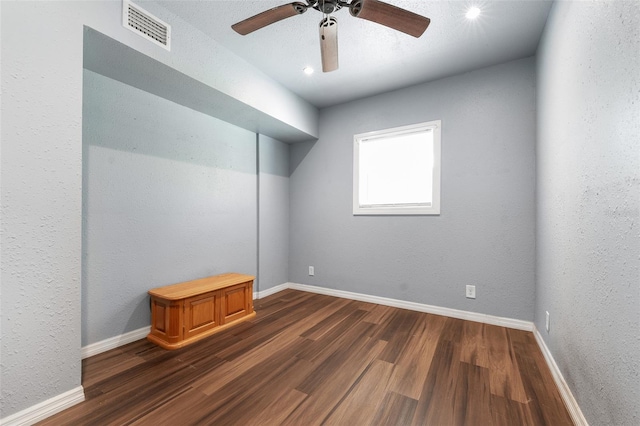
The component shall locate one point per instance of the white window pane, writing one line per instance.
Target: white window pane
(397, 169)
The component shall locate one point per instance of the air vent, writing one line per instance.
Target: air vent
(145, 24)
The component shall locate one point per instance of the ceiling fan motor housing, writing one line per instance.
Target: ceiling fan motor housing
(328, 6)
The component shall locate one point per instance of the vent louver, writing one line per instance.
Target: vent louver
(145, 24)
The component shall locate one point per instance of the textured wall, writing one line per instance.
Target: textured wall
(41, 203)
(41, 174)
(273, 212)
(588, 195)
(485, 233)
(169, 195)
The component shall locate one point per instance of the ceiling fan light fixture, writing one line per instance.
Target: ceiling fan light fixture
(329, 43)
(472, 13)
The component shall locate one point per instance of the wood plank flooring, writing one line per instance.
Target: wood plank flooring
(308, 359)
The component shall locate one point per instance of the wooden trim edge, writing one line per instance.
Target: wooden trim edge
(192, 288)
(183, 343)
(419, 307)
(565, 392)
(114, 342)
(45, 409)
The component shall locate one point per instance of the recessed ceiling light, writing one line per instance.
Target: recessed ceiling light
(307, 70)
(473, 12)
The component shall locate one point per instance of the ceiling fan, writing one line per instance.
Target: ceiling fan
(371, 10)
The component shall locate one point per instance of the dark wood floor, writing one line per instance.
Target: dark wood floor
(309, 359)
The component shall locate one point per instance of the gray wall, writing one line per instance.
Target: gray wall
(485, 233)
(588, 198)
(169, 195)
(41, 173)
(273, 212)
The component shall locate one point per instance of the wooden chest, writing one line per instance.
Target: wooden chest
(186, 312)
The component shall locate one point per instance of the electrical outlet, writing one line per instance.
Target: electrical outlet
(546, 321)
(471, 292)
(311, 270)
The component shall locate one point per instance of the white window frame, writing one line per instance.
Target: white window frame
(434, 208)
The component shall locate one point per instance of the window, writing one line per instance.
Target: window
(397, 171)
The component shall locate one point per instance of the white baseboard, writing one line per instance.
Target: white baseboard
(569, 401)
(270, 291)
(45, 409)
(413, 306)
(114, 342)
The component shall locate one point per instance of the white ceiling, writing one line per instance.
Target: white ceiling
(373, 58)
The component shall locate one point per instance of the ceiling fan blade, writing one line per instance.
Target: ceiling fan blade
(329, 44)
(390, 16)
(269, 17)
